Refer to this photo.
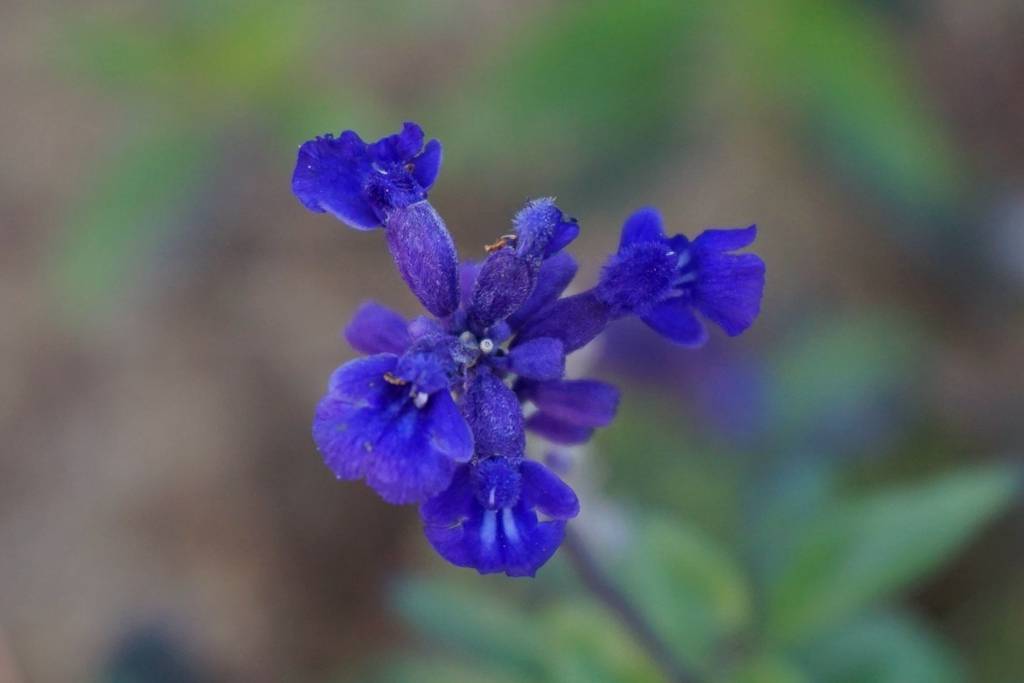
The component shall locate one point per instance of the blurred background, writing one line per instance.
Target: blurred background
(831, 497)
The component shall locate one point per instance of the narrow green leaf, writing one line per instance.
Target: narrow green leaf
(871, 547)
(768, 669)
(691, 589)
(596, 84)
(193, 55)
(846, 75)
(589, 646)
(136, 197)
(409, 669)
(781, 506)
(476, 624)
(696, 482)
(837, 379)
(884, 648)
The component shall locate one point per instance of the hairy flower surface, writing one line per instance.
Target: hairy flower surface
(362, 183)
(404, 443)
(434, 414)
(487, 519)
(664, 279)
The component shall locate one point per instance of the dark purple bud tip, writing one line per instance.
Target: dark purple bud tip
(542, 230)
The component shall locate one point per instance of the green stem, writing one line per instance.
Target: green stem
(623, 609)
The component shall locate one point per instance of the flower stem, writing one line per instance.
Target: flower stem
(625, 611)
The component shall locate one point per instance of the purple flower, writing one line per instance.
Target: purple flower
(425, 255)
(553, 276)
(509, 276)
(361, 183)
(403, 441)
(376, 329)
(395, 421)
(542, 230)
(492, 409)
(487, 518)
(568, 411)
(663, 279)
(434, 414)
(573, 320)
(385, 183)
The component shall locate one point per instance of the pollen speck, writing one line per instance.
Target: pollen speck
(502, 242)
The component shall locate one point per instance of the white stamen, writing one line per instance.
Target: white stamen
(488, 529)
(420, 398)
(689, 277)
(508, 523)
(490, 498)
(486, 345)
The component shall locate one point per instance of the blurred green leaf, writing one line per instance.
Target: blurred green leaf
(694, 481)
(411, 669)
(567, 641)
(886, 648)
(196, 55)
(137, 196)
(589, 646)
(113, 54)
(781, 506)
(838, 379)
(990, 624)
(477, 624)
(768, 669)
(691, 589)
(598, 84)
(844, 73)
(869, 548)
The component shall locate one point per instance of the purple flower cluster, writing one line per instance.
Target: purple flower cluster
(434, 414)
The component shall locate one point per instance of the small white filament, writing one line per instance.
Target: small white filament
(486, 345)
(420, 399)
(508, 523)
(488, 528)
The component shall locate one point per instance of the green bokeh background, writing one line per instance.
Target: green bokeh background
(833, 497)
